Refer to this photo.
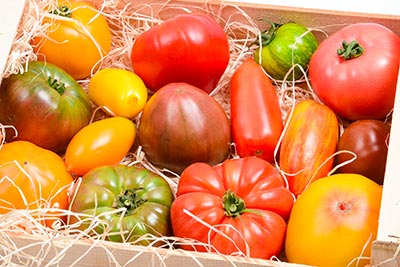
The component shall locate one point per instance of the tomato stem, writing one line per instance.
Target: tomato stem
(233, 205)
(57, 85)
(130, 199)
(63, 11)
(350, 50)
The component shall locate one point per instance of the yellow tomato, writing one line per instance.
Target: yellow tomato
(103, 142)
(332, 221)
(76, 38)
(122, 92)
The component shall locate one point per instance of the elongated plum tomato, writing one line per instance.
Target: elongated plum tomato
(102, 142)
(32, 177)
(75, 38)
(332, 221)
(120, 91)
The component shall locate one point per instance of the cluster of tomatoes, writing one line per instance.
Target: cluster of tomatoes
(272, 195)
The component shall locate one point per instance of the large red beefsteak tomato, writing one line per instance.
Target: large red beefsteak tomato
(354, 71)
(238, 206)
(191, 48)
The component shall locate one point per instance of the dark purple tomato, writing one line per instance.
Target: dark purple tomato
(369, 140)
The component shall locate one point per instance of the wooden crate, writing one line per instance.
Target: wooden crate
(101, 253)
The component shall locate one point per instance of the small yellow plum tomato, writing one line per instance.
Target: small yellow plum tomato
(103, 142)
(120, 91)
(334, 222)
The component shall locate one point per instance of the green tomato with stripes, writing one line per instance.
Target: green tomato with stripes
(285, 50)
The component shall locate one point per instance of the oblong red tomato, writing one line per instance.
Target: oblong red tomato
(191, 48)
(245, 199)
(308, 144)
(181, 124)
(256, 117)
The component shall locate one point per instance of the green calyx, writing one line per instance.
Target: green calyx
(350, 50)
(63, 11)
(233, 205)
(130, 199)
(57, 85)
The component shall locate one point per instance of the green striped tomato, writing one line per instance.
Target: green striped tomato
(282, 47)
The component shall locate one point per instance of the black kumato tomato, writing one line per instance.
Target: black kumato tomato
(368, 140)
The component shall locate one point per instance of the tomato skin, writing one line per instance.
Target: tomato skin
(181, 124)
(256, 117)
(291, 44)
(332, 221)
(103, 142)
(201, 191)
(43, 113)
(369, 140)
(69, 43)
(190, 48)
(40, 175)
(310, 139)
(362, 87)
(119, 90)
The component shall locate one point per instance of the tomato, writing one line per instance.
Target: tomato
(120, 91)
(103, 142)
(333, 220)
(354, 71)
(181, 124)
(131, 200)
(308, 144)
(191, 48)
(75, 38)
(238, 206)
(369, 140)
(32, 177)
(45, 105)
(284, 46)
(256, 117)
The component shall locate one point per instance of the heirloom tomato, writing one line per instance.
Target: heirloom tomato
(256, 117)
(45, 105)
(284, 46)
(31, 178)
(334, 222)
(120, 91)
(369, 141)
(131, 200)
(106, 141)
(191, 48)
(181, 124)
(308, 144)
(354, 71)
(238, 206)
(75, 38)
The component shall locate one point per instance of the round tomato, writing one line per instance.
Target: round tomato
(190, 48)
(131, 200)
(180, 125)
(354, 71)
(106, 141)
(120, 91)
(45, 105)
(238, 206)
(75, 38)
(284, 46)
(32, 177)
(332, 221)
(369, 141)
(256, 117)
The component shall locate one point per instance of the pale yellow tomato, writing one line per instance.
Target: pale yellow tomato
(120, 91)
(102, 142)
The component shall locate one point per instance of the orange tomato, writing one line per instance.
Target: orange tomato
(332, 221)
(32, 177)
(76, 37)
(103, 142)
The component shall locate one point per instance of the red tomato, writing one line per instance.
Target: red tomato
(191, 48)
(358, 82)
(244, 198)
(333, 220)
(256, 117)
